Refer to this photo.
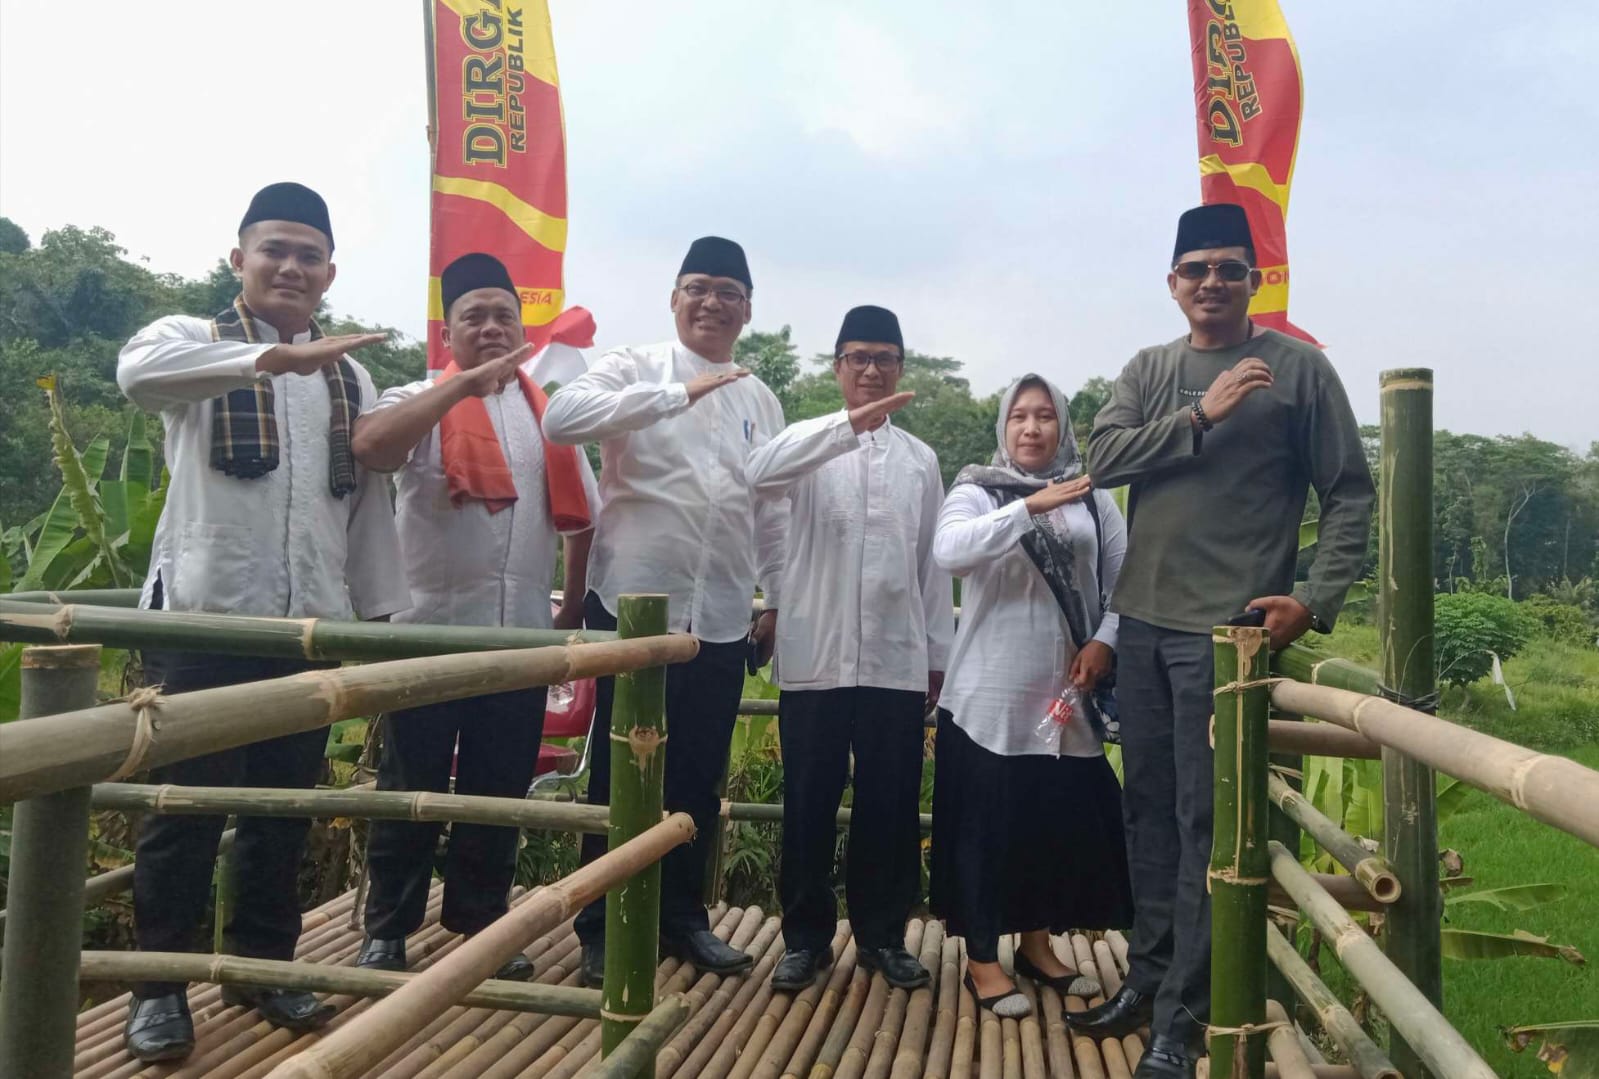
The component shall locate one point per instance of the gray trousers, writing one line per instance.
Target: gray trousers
(1165, 679)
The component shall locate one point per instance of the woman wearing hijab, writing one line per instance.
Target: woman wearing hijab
(1027, 833)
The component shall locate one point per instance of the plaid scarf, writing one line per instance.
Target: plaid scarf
(244, 424)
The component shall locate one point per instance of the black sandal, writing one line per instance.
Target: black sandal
(1012, 1004)
(1075, 985)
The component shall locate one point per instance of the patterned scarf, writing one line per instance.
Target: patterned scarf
(1049, 548)
(244, 424)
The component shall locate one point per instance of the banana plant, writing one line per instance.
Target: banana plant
(1570, 1049)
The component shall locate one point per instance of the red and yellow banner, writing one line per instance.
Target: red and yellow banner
(499, 152)
(1248, 96)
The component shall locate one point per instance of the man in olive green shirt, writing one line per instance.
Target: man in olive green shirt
(1220, 434)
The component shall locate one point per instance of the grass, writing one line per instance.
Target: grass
(1556, 687)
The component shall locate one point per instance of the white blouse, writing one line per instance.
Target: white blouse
(677, 512)
(465, 565)
(279, 544)
(1013, 649)
(864, 604)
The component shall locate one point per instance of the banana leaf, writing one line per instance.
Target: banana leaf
(125, 497)
(1362, 791)
(1308, 532)
(1472, 944)
(1517, 897)
(60, 524)
(1452, 797)
(1570, 1050)
(138, 458)
(10, 681)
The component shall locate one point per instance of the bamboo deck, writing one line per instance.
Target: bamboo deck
(847, 1026)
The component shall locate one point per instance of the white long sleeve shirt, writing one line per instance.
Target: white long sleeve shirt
(465, 565)
(677, 513)
(864, 604)
(1013, 649)
(280, 544)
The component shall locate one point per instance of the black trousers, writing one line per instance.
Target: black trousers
(176, 855)
(702, 698)
(493, 742)
(818, 729)
(1165, 683)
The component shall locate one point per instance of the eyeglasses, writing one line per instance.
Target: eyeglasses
(884, 361)
(1226, 269)
(697, 291)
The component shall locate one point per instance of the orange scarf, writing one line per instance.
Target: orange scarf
(474, 463)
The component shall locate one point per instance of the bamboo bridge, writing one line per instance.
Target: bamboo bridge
(448, 1016)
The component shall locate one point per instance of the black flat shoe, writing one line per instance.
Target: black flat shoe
(898, 967)
(707, 953)
(1118, 1017)
(1012, 1004)
(1166, 1058)
(381, 954)
(594, 965)
(291, 1009)
(159, 1028)
(1075, 985)
(800, 968)
(518, 968)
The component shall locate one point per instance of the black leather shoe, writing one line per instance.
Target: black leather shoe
(594, 965)
(1068, 985)
(800, 968)
(291, 1009)
(898, 967)
(707, 953)
(159, 1028)
(382, 954)
(518, 968)
(1117, 1017)
(1166, 1058)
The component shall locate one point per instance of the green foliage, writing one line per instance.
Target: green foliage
(1561, 621)
(1471, 628)
(775, 361)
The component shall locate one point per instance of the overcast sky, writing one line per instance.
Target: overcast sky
(1005, 175)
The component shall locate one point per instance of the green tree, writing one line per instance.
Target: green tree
(774, 359)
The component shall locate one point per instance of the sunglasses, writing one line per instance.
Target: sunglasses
(1226, 269)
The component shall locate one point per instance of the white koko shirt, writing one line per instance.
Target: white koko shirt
(677, 514)
(465, 565)
(279, 544)
(1013, 649)
(864, 603)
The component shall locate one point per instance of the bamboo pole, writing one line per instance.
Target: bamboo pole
(360, 1044)
(1319, 740)
(720, 1000)
(1370, 869)
(1409, 1012)
(1335, 1019)
(82, 747)
(318, 978)
(1346, 890)
(832, 998)
(911, 1050)
(772, 813)
(1239, 866)
(638, 769)
(251, 635)
(634, 1055)
(1553, 789)
(1315, 668)
(949, 992)
(1412, 930)
(1290, 1058)
(103, 597)
(368, 804)
(49, 845)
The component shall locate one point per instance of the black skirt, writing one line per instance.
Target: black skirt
(1026, 842)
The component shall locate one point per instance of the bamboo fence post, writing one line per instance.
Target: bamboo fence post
(1371, 870)
(1410, 1014)
(1286, 1052)
(49, 848)
(1336, 1020)
(716, 852)
(1320, 740)
(1410, 812)
(638, 770)
(634, 1055)
(1239, 865)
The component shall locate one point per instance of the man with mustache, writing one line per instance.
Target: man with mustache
(267, 513)
(481, 501)
(1221, 435)
(677, 423)
(862, 639)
